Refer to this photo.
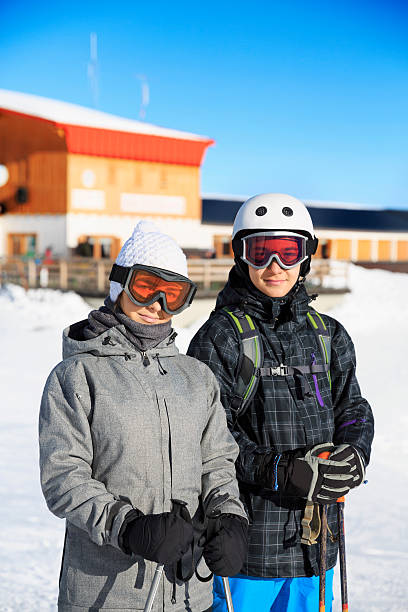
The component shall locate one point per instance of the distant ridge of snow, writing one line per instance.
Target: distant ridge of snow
(73, 114)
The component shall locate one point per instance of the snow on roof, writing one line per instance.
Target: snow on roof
(73, 114)
(342, 205)
(223, 196)
(309, 203)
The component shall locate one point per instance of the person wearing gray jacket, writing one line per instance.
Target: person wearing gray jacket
(135, 452)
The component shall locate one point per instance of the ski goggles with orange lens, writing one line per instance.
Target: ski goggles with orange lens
(289, 250)
(145, 285)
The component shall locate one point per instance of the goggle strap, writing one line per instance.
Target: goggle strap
(311, 246)
(119, 274)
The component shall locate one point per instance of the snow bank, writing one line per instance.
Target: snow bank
(31, 538)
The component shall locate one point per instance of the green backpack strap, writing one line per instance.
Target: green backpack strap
(250, 367)
(246, 380)
(324, 341)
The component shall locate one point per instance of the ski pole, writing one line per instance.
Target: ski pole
(323, 559)
(227, 591)
(323, 552)
(153, 587)
(342, 554)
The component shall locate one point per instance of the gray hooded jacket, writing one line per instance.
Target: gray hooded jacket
(121, 429)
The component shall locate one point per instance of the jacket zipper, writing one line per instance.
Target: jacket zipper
(145, 359)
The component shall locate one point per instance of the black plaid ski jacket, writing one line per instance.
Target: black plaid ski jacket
(283, 414)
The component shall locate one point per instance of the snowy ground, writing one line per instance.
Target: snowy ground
(375, 314)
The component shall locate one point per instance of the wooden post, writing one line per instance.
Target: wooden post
(32, 273)
(63, 274)
(101, 276)
(207, 275)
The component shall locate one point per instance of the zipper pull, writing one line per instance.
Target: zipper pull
(145, 359)
(161, 369)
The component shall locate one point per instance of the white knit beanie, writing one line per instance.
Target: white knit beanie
(149, 247)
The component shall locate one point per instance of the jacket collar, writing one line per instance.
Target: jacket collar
(111, 342)
(240, 292)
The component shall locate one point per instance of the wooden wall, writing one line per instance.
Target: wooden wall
(117, 176)
(43, 174)
(34, 152)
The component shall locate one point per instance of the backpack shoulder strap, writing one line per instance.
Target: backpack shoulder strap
(251, 360)
(323, 338)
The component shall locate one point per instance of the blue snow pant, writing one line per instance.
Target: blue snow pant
(273, 594)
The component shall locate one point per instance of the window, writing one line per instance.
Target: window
(106, 248)
(22, 244)
(226, 246)
(222, 246)
(99, 247)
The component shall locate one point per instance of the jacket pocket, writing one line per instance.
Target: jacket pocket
(102, 576)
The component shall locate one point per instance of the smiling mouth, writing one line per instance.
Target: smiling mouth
(145, 316)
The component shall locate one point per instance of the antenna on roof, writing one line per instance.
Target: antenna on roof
(145, 95)
(93, 68)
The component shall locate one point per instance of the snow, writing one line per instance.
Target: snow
(73, 114)
(342, 205)
(31, 538)
(309, 203)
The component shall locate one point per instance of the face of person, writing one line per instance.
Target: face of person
(147, 315)
(273, 280)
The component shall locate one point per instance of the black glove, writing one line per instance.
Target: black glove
(226, 546)
(302, 473)
(163, 538)
(355, 458)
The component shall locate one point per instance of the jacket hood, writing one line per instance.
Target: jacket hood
(240, 292)
(111, 342)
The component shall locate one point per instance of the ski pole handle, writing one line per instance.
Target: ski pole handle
(180, 509)
(326, 455)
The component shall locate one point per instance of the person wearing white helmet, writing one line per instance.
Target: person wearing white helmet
(289, 389)
(135, 453)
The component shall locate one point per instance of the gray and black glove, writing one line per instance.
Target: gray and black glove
(355, 458)
(302, 473)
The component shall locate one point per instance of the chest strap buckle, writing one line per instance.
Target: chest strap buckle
(281, 370)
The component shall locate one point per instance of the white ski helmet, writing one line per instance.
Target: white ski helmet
(273, 211)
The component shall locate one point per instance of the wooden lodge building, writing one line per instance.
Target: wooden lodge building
(75, 181)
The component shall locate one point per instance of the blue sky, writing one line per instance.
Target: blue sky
(308, 98)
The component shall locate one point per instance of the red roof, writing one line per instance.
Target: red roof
(125, 145)
(91, 132)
